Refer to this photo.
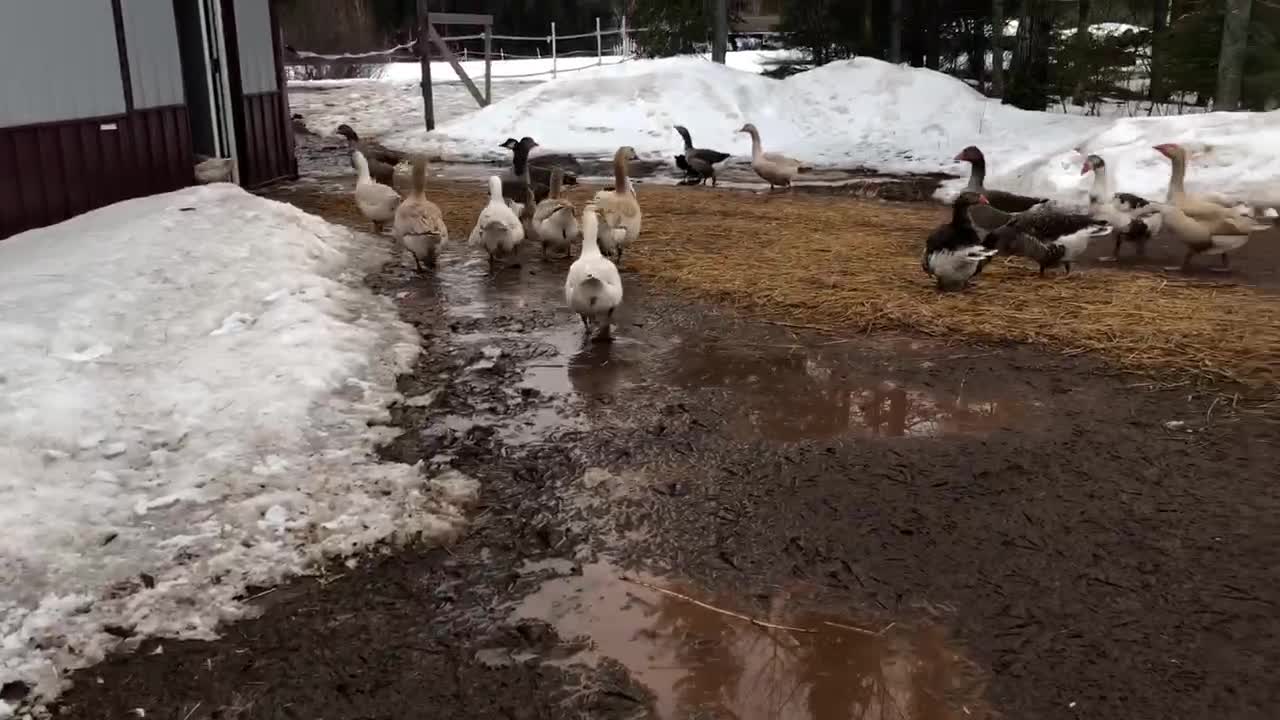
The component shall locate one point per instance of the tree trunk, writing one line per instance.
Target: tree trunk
(931, 31)
(977, 51)
(1235, 40)
(895, 31)
(1159, 23)
(720, 42)
(1029, 75)
(997, 48)
(1082, 45)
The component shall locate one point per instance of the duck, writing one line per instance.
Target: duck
(419, 224)
(698, 163)
(212, 169)
(1214, 236)
(619, 208)
(1119, 209)
(376, 201)
(553, 221)
(954, 253)
(775, 168)
(382, 162)
(1065, 236)
(593, 287)
(998, 199)
(539, 176)
(498, 230)
(1200, 206)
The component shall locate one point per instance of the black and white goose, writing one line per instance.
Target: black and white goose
(1066, 236)
(953, 254)
(1122, 210)
(698, 164)
(998, 199)
(525, 177)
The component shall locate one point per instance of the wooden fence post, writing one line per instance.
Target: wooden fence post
(424, 60)
(553, 49)
(599, 44)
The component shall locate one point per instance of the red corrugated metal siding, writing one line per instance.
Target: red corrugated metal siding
(265, 148)
(66, 168)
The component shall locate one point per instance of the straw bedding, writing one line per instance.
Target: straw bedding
(851, 265)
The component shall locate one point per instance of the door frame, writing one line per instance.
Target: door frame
(218, 78)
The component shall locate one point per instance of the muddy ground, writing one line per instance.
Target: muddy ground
(949, 531)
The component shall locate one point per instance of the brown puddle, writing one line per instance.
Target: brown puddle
(700, 663)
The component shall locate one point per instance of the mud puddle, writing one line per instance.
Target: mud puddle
(705, 658)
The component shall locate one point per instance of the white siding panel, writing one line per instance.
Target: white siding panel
(257, 56)
(151, 42)
(58, 61)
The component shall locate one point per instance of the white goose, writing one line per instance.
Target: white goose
(498, 230)
(376, 201)
(593, 288)
(553, 220)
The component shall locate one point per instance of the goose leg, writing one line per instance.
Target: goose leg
(417, 261)
(1067, 265)
(1186, 261)
(1115, 254)
(377, 227)
(605, 333)
(1226, 265)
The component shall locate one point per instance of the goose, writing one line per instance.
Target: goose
(1206, 236)
(698, 163)
(382, 162)
(1119, 209)
(1201, 207)
(498, 230)
(539, 175)
(212, 169)
(619, 208)
(998, 199)
(953, 254)
(1065, 235)
(376, 201)
(774, 168)
(419, 225)
(553, 220)
(593, 288)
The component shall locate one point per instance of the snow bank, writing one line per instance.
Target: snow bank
(186, 386)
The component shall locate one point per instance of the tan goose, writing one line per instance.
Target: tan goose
(419, 224)
(1206, 236)
(775, 168)
(1202, 207)
(619, 208)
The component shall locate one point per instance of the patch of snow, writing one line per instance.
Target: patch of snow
(208, 460)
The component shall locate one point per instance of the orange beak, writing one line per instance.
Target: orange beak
(1163, 149)
(982, 200)
(1086, 169)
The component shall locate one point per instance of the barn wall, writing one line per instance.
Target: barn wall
(257, 53)
(155, 67)
(75, 166)
(264, 134)
(58, 61)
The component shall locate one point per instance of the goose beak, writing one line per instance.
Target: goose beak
(982, 200)
(1085, 169)
(1163, 149)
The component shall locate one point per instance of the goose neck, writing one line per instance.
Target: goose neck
(978, 174)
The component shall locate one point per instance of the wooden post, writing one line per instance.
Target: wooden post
(553, 49)
(599, 44)
(720, 40)
(488, 60)
(424, 59)
(623, 37)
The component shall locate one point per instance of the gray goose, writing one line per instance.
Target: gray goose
(998, 199)
(698, 163)
(382, 162)
(1120, 209)
(538, 177)
(1049, 237)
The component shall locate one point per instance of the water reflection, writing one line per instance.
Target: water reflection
(701, 663)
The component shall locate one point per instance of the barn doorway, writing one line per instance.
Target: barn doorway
(201, 47)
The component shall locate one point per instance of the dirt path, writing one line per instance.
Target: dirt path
(1017, 534)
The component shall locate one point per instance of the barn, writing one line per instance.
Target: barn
(104, 100)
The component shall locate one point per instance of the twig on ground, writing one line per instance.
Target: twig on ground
(713, 608)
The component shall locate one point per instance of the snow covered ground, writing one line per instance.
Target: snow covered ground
(186, 382)
(860, 112)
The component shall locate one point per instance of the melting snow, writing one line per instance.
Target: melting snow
(188, 384)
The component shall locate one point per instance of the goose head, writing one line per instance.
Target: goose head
(684, 133)
(1173, 151)
(966, 200)
(345, 131)
(971, 154)
(625, 154)
(509, 143)
(749, 129)
(1092, 163)
(527, 143)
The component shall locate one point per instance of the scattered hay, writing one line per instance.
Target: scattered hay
(848, 265)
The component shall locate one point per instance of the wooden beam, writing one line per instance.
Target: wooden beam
(424, 59)
(444, 18)
(453, 62)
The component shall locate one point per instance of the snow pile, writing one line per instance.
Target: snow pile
(186, 386)
(856, 112)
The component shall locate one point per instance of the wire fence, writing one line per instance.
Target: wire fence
(608, 46)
